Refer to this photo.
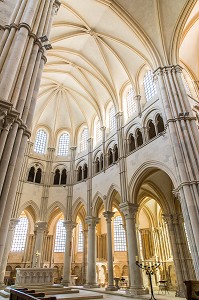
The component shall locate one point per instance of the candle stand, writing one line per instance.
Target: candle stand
(149, 271)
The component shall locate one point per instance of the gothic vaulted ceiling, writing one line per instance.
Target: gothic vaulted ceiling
(98, 47)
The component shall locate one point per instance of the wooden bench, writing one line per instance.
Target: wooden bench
(25, 294)
(192, 289)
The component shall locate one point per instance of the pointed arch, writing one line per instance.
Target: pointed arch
(53, 206)
(32, 208)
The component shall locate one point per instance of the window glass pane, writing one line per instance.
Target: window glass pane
(40, 142)
(112, 119)
(80, 239)
(84, 138)
(60, 238)
(98, 132)
(63, 144)
(130, 102)
(149, 86)
(119, 235)
(20, 234)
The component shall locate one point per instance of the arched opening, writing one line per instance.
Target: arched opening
(38, 175)
(97, 165)
(160, 124)
(85, 171)
(131, 142)
(79, 173)
(110, 156)
(139, 138)
(101, 162)
(161, 232)
(151, 130)
(63, 176)
(115, 151)
(57, 177)
(31, 174)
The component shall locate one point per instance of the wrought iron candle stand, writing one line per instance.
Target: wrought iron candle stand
(149, 271)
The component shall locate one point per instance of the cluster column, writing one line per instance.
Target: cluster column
(181, 256)
(108, 215)
(21, 63)
(182, 129)
(91, 275)
(69, 224)
(85, 256)
(135, 278)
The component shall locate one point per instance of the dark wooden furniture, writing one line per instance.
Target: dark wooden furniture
(192, 289)
(25, 294)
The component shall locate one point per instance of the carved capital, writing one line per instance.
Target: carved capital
(13, 223)
(129, 210)
(173, 219)
(56, 6)
(108, 215)
(92, 221)
(69, 225)
(41, 226)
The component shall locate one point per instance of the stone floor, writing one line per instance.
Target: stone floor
(87, 294)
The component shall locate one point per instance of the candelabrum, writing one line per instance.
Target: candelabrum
(150, 270)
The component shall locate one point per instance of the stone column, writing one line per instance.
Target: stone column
(90, 174)
(71, 181)
(135, 278)
(21, 63)
(103, 129)
(46, 184)
(69, 225)
(40, 229)
(181, 255)
(13, 223)
(183, 133)
(85, 256)
(91, 275)
(108, 215)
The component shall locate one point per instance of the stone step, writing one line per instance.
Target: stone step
(4, 294)
(50, 290)
(83, 297)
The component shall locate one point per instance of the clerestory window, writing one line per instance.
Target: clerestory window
(130, 102)
(149, 85)
(119, 235)
(40, 142)
(63, 146)
(84, 138)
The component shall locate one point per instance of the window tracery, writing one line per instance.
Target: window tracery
(35, 174)
(60, 176)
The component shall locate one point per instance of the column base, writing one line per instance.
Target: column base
(2, 286)
(131, 292)
(65, 283)
(111, 288)
(180, 294)
(91, 285)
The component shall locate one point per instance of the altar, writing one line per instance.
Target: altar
(34, 276)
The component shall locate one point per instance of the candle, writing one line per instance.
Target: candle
(136, 258)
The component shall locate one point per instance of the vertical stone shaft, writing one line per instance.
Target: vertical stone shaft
(108, 215)
(71, 181)
(135, 278)
(85, 256)
(69, 225)
(91, 275)
(13, 223)
(89, 179)
(182, 132)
